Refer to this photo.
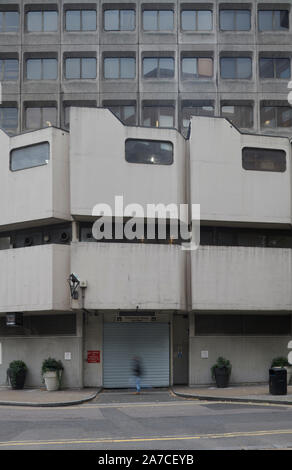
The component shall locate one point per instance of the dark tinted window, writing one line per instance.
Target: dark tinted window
(9, 21)
(80, 20)
(209, 324)
(196, 20)
(273, 20)
(258, 159)
(236, 67)
(37, 325)
(158, 67)
(235, 20)
(275, 67)
(119, 20)
(8, 118)
(31, 156)
(149, 151)
(8, 69)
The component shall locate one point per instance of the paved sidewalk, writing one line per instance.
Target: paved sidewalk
(40, 397)
(246, 393)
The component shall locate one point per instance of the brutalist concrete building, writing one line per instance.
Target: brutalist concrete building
(152, 63)
(198, 113)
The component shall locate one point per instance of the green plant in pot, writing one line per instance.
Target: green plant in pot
(221, 371)
(283, 362)
(52, 373)
(16, 374)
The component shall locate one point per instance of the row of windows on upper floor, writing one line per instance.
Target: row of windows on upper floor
(153, 152)
(192, 18)
(192, 68)
(37, 116)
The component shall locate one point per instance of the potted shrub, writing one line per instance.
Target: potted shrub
(16, 374)
(221, 372)
(52, 374)
(282, 361)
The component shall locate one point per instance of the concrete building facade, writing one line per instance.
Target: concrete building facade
(153, 64)
(177, 309)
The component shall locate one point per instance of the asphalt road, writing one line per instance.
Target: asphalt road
(153, 420)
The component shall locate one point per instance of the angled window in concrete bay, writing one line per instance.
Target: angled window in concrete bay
(37, 117)
(195, 108)
(119, 20)
(235, 20)
(260, 159)
(9, 119)
(41, 69)
(9, 69)
(158, 67)
(239, 68)
(30, 156)
(80, 68)
(158, 116)
(273, 20)
(9, 21)
(241, 115)
(275, 67)
(119, 67)
(42, 21)
(152, 152)
(196, 67)
(158, 20)
(196, 20)
(80, 20)
(125, 112)
(273, 116)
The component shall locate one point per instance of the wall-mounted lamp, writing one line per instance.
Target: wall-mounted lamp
(74, 284)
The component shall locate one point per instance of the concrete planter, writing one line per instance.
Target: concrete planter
(52, 381)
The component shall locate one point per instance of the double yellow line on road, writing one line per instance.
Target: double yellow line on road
(68, 442)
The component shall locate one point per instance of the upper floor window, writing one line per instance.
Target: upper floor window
(240, 115)
(80, 20)
(235, 20)
(194, 108)
(158, 67)
(273, 117)
(119, 67)
(9, 118)
(259, 159)
(196, 20)
(39, 117)
(8, 69)
(158, 20)
(46, 21)
(80, 68)
(196, 67)
(30, 156)
(236, 67)
(125, 112)
(41, 69)
(271, 67)
(119, 20)
(153, 152)
(9, 21)
(273, 20)
(158, 116)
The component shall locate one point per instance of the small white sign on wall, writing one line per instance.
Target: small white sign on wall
(67, 356)
(204, 354)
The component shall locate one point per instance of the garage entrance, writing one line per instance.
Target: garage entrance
(123, 341)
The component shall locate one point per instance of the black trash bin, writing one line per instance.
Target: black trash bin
(278, 381)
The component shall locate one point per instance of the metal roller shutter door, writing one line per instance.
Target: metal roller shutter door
(123, 341)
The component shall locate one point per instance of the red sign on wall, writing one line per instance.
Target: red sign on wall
(93, 356)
